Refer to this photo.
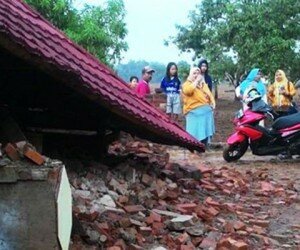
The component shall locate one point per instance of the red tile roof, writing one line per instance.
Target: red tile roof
(28, 29)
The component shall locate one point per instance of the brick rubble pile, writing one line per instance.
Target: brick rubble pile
(146, 202)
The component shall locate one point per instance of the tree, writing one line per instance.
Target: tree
(134, 68)
(99, 29)
(183, 70)
(238, 35)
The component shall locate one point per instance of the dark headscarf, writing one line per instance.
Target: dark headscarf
(207, 77)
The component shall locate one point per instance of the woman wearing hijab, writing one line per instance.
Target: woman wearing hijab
(198, 105)
(253, 80)
(281, 93)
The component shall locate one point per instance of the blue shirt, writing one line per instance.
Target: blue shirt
(170, 86)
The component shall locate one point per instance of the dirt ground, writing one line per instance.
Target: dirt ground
(283, 216)
(226, 107)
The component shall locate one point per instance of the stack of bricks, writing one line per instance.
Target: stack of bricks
(159, 100)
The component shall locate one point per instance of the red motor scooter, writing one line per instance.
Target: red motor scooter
(283, 137)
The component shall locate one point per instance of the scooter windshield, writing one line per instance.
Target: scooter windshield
(260, 106)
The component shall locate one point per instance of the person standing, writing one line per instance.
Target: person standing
(253, 80)
(281, 93)
(170, 84)
(203, 66)
(143, 88)
(198, 106)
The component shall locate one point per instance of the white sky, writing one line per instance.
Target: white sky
(149, 23)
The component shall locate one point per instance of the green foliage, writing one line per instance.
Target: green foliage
(183, 70)
(59, 12)
(134, 68)
(238, 35)
(99, 29)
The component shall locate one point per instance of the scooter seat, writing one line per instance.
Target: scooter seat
(286, 121)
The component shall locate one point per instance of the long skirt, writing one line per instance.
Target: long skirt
(200, 122)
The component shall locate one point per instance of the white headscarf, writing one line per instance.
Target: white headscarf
(191, 76)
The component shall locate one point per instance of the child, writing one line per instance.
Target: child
(170, 84)
(133, 82)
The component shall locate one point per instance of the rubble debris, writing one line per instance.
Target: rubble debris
(157, 206)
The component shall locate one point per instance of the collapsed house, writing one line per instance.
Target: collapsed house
(59, 96)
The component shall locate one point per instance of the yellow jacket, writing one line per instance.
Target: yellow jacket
(194, 97)
(281, 102)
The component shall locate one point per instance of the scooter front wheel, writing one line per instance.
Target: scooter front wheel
(235, 151)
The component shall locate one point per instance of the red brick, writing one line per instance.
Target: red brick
(255, 205)
(210, 187)
(140, 239)
(187, 247)
(187, 206)
(172, 194)
(158, 227)
(225, 243)
(226, 191)
(12, 152)
(261, 223)
(182, 239)
(214, 212)
(156, 217)
(238, 225)
(121, 243)
(123, 199)
(90, 217)
(242, 233)
(232, 244)
(208, 243)
(266, 241)
(228, 227)
(183, 211)
(103, 225)
(134, 209)
(34, 156)
(149, 220)
(114, 248)
(221, 220)
(267, 187)
(204, 169)
(211, 202)
(258, 230)
(239, 245)
(145, 231)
